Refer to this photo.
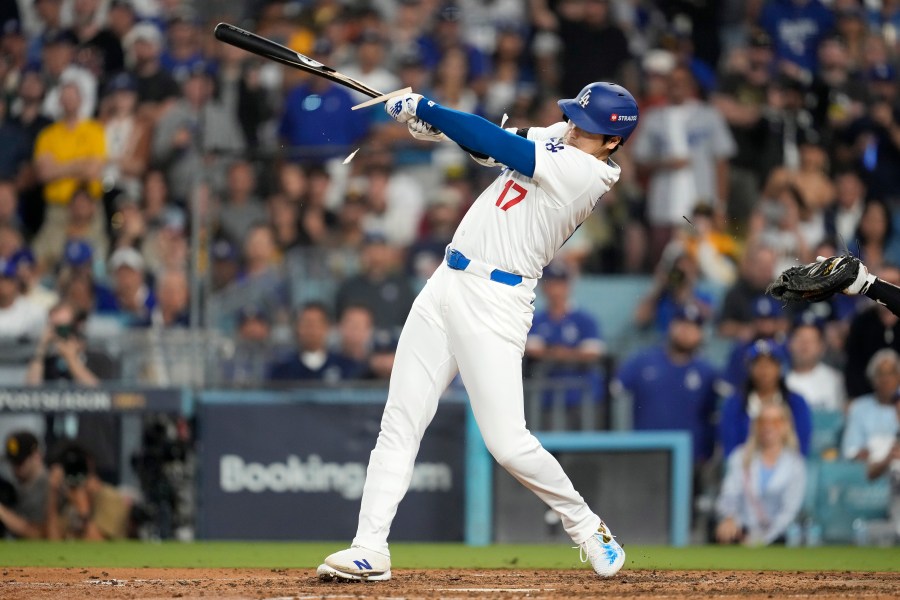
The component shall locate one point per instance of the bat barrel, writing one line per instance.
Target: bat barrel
(266, 48)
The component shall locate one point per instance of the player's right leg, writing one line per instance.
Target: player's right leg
(423, 367)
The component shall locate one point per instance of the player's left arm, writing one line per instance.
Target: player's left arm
(472, 132)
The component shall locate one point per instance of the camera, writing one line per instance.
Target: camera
(74, 462)
(676, 277)
(63, 332)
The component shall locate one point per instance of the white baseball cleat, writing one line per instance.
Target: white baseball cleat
(604, 552)
(355, 564)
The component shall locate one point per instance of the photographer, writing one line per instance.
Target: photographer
(80, 505)
(62, 356)
(22, 511)
(674, 287)
(62, 353)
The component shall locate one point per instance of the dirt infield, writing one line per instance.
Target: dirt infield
(281, 584)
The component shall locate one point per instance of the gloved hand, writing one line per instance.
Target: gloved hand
(403, 108)
(822, 279)
(862, 282)
(487, 161)
(421, 130)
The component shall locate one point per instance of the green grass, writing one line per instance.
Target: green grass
(438, 556)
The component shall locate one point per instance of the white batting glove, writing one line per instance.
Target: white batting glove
(486, 162)
(421, 130)
(403, 108)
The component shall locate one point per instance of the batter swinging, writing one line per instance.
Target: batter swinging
(475, 312)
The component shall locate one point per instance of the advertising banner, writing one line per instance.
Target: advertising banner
(295, 471)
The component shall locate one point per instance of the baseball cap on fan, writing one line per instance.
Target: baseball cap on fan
(8, 268)
(122, 82)
(59, 36)
(371, 36)
(223, 250)
(766, 307)
(556, 271)
(143, 32)
(253, 312)
(19, 446)
(882, 73)
(11, 27)
(658, 62)
(126, 257)
(23, 256)
(690, 313)
(77, 253)
(449, 13)
(768, 348)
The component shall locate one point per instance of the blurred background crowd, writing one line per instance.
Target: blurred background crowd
(174, 211)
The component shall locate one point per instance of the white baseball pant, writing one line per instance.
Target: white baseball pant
(461, 322)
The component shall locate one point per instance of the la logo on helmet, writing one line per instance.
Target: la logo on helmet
(585, 99)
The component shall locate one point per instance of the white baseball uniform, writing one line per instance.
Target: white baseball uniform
(466, 323)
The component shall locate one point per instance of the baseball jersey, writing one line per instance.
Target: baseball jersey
(695, 130)
(576, 329)
(667, 395)
(518, 223)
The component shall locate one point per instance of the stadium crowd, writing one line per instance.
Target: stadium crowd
(152, 179)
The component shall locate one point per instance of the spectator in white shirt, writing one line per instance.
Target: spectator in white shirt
(873, 424)
(683, 148)
(20, 318)
(821, 385)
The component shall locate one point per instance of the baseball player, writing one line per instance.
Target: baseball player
(474, 314)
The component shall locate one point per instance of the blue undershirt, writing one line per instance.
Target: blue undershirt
(480, 135)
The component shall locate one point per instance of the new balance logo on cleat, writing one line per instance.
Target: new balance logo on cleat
(355, 564)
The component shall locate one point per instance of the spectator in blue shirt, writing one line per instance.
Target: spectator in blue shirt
(769, 322)
(797, 27)
(447, 34)
(564, 342)
(78, 261)
(317, 123)
(766, 361)
(313, 361)
(671, 386)
(872, 423)
(133, 299)
(183, 50)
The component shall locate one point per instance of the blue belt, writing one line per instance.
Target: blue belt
(458, 261)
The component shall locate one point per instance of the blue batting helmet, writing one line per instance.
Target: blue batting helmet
(603, 107)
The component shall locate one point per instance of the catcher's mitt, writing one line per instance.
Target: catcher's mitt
(817, 281)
